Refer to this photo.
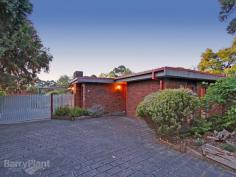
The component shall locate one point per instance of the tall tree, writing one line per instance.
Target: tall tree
(117, 72)
(227, 9)
(12, 14)
(221, 62)
(22, 54)
(63, 81)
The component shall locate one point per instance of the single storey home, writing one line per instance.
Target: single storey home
(123, 94)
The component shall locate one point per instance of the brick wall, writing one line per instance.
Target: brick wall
(136, 91)
(106, 95)
(128, 98)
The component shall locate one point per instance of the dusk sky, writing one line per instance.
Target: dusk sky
(97, 35)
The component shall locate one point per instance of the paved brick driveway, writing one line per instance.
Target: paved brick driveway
(103, 147)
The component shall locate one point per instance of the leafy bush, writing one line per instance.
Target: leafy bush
(228, 122)
(71, 112)
(200, 127)
(2, 93)
(222, 92)
(62, 111)
(169, 109)
(77, 112)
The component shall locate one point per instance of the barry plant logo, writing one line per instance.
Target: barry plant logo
(30, 166)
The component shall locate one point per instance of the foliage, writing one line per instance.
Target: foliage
(227, 8)
(63, 81)
(230, 119)
(45, 84)
(62, 111)
(12, 15)
(228, 147)
(199, 142)
(22, 54)
(77, 112)
(218, 123)
(2, 93)
(71, 112)
(220, 62)
(57, 92)
(200, 127)
(222, 92)
(32, 89)
(169, 109)
(116, 72)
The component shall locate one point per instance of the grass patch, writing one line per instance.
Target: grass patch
(228, 147)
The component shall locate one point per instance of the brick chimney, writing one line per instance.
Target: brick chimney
(78, 74)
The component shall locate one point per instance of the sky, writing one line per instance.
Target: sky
(95, 36)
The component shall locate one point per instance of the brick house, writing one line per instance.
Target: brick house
(123, 94)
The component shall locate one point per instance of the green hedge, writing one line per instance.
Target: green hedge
(169, 109)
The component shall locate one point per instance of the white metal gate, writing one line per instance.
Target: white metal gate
(24, 108)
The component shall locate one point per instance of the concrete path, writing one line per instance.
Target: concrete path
(115, 146)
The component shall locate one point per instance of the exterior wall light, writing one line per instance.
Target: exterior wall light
(72, 89)
(118, 87)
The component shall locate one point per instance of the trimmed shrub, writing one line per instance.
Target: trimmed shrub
(169, 109)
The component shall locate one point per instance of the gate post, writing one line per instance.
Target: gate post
(51, 100)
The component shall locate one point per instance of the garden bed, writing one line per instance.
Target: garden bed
(72, 118)
(223, 152)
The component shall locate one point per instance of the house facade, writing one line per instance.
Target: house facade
(123, 94)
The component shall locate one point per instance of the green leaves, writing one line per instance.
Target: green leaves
(63, 81)
(221, 62)
(222, 92)
(22, 54)
(116, 72)
(201, 126)
(71, 112)
(227, 8)
(2, 93)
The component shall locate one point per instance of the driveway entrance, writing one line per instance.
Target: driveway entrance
(110, 146)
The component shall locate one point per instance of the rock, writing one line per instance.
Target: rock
(222, 135)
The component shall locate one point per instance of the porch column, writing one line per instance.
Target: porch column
(162, 85)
